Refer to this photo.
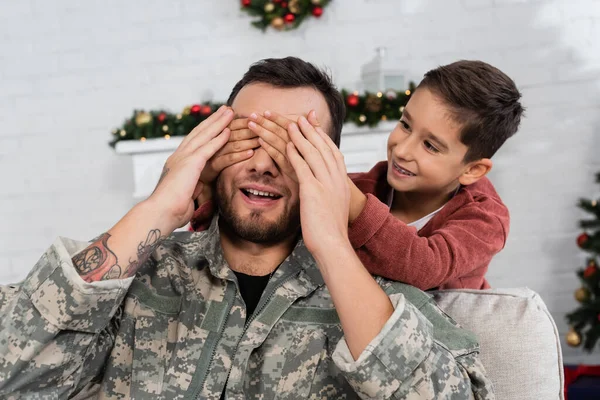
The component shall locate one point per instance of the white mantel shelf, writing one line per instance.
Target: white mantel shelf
(362, 148)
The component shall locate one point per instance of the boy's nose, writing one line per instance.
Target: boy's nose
(404, 150)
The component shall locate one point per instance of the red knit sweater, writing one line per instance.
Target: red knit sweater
(453, 250)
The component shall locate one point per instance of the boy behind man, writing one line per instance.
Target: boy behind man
(427, 216)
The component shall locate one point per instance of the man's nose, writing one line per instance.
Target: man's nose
(262, 163)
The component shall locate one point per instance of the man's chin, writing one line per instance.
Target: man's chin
(257, 227)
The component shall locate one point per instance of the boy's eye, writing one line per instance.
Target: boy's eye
(404, 124)
(431, 147)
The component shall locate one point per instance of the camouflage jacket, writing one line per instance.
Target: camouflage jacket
(178, 330)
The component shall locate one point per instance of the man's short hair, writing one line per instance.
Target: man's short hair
(292, 72)
(483, 99)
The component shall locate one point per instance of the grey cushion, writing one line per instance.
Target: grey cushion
(520, 346)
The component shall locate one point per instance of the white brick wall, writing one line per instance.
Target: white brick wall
(70, 72)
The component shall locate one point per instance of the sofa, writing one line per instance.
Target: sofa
(520, 345)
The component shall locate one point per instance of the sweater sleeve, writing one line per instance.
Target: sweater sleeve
(467, 240)
(202, 217)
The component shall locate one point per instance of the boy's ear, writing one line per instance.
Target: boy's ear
(475, 170)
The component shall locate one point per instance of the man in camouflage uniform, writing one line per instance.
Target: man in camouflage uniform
(143, 313)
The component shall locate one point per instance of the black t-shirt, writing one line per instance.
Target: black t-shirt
(251, 288)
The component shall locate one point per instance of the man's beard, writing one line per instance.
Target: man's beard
(254, 228)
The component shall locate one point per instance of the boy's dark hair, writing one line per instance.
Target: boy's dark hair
(292, 72)
(483, 99)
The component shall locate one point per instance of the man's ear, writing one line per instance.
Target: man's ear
(475, 170)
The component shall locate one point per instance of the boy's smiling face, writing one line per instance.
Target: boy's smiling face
(425, 154)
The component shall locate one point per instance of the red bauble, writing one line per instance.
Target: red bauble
(289, 18)
(352, 100)
(162, 117)
(206, 110)
(246, 3)
(589, 271)
(195, 109)
(317, 11)
(284, 4)
(581, 239)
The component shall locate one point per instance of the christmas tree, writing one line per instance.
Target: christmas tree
(585, 320)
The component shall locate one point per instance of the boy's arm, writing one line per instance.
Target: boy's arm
(388, 349)
(469, 238)
(205, 210)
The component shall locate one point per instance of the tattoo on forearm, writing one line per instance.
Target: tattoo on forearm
(164, 173)
(95, 257)
(98, 262)
(145, 249)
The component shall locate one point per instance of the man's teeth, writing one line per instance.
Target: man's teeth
(259, 193)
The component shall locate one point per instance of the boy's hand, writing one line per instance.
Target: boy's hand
(272, 130)
(358, 199)
(324, 192)
(240, 147)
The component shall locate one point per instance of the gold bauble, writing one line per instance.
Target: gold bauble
(294, 8)
(187, 110)
(142, 118)
(373, 103)
(573, 338)
(269, 7)
(582, 294)
(278, 23)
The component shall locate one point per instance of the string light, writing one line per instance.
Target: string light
(384, 118)
(379, 94)
(167, 137)
(401, 108)
(142, 139)
(122, 133)
(165, 128)
(362, 118)
(407, 92)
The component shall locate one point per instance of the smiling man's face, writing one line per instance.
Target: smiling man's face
(258, 202)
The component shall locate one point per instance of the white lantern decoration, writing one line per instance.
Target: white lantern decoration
(380, 75)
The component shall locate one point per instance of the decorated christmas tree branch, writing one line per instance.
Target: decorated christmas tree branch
(585, 320)
(362, 109)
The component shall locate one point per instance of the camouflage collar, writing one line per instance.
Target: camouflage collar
(299, 261)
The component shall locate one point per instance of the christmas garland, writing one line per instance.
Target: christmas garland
(282, 14)
(361, 109)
